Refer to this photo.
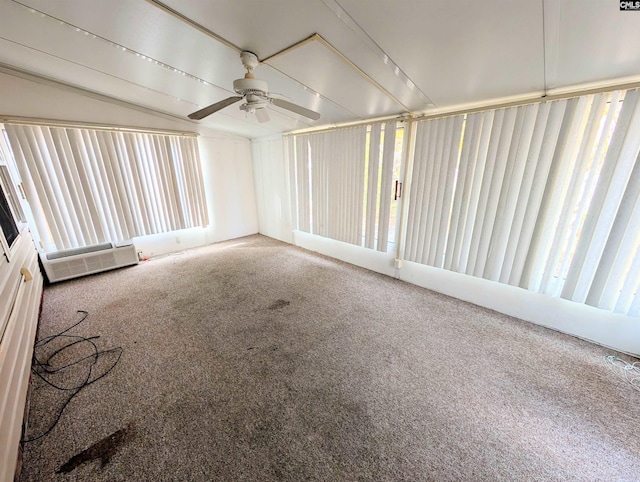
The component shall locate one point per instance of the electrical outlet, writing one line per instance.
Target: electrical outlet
(178, 239)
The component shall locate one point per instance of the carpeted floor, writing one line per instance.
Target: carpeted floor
(255, 360)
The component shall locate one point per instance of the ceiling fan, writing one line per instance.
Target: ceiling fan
(256, 94)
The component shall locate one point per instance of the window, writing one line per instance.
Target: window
(543, 196)
(343, 183)
(89, 186)
(7, 222)
(12, 218)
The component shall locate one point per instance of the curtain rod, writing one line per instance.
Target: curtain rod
(532, 99)
(89, 125)
(375, 120)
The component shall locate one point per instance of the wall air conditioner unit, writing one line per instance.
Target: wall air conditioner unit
(73, 263)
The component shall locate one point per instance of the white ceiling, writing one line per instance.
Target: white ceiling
(371, 58)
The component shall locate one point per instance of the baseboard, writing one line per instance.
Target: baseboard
(611, 330)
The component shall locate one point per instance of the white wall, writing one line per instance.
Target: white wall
(226, 159)
(272, 188)
(232, 204)
(28, 96)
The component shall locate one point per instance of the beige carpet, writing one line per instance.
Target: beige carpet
(255, 360)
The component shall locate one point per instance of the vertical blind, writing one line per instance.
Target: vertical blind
(90, 186)
(544, 196)
(341, 183)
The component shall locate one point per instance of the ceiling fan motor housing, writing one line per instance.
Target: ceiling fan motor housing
(250, 86)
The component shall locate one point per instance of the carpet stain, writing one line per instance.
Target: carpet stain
(279, 304)
(103, 450)
(119, 304)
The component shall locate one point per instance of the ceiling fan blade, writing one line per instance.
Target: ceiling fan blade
(202, 113)
(296, 108)
(262, 115)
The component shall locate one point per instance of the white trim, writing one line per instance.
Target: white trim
(350, 253)
(559, 93)
(608, 329)
(29, 121)
(16, 346)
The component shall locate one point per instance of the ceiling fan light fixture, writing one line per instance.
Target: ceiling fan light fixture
(262, 115)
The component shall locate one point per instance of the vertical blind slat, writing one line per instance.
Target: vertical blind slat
(436, 194)
(417, 192)
(359, 141)
(290, 151)
(449, 180)
(302, 157)
(433, 147)
(432, 183)
(461, 196)
(388, 154)
(372, 185)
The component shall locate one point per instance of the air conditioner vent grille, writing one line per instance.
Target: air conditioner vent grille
(72, 266)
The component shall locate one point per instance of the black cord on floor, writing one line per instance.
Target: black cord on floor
(45, 369)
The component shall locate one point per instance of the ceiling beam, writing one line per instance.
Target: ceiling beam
(194, 24)
(318, 38)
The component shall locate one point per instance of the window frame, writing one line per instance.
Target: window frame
(21, 224)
